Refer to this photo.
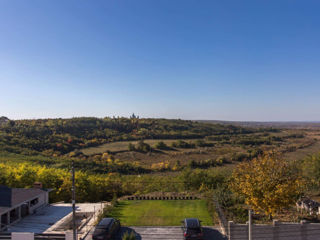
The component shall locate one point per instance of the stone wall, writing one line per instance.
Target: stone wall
(276, 231)
(161, 198)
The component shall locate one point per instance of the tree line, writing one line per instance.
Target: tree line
(60, 136)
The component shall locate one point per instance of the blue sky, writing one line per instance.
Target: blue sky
(227, 60)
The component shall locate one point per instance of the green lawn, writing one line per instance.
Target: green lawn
(160, 213)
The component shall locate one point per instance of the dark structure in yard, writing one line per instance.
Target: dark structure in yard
(16, 203)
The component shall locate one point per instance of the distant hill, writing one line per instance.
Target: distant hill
(60, 136)
(276, 124)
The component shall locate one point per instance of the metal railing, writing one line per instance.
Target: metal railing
(5, 236)
(49, 236)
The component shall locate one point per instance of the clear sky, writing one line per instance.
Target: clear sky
(226, 60)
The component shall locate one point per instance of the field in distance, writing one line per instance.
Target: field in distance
(123, 145)
(160, 212)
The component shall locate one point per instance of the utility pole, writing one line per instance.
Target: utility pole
(250, 224)
(74, 227)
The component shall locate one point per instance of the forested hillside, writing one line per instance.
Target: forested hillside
(125, 156)
(60, 136)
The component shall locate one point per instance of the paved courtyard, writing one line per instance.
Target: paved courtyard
(166, 233)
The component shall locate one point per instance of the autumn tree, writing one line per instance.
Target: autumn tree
(268, 183)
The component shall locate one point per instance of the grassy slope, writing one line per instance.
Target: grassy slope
(301, 154)
(160, 213)
(123, 145)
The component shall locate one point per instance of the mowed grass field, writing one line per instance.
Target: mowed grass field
(160, 212)
(123, 145)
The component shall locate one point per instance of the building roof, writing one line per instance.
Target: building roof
(17, 196)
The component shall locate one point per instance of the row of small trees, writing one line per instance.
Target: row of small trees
(141, 146)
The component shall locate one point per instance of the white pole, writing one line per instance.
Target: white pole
(250, 224)
(74, 227)
(94, 213)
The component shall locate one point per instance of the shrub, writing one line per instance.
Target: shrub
(161, 145)
(105, 213)
(239, 157)
(129, 236)
(161, 166)
(202, 143)
(114, 201)
(141, 146)
(222, 159)
(238, 213)
(131, 147)
(182, 144)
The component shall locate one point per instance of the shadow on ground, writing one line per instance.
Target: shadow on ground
(212, 234)
(128, 230)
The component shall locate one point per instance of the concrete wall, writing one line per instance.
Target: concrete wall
(43, 200)
(277, 231)
(22, 236)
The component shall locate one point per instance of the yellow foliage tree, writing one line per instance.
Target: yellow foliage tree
(268, 183)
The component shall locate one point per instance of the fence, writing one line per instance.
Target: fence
(50, 236)
(5, 236)
(33, 236)
(222, 219)
(162, 198)
(277, 231)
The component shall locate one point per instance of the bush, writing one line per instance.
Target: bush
(182, 144)
(206, 163)
(238, 214)
(105, 213)
(114, 201)
(203, 179)
(141, 146)
(162, 146)
(131, 147)
(129, 236)
(222, 159)
(202, 143)
(239, 157)
(311, 170)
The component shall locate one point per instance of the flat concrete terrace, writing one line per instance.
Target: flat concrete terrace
(165, 233)
(172, 233)
(51, 217)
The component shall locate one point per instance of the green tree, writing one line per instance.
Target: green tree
(161, 145)
(311, 170)
(131, 147)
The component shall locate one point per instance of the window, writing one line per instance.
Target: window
(34, 202)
